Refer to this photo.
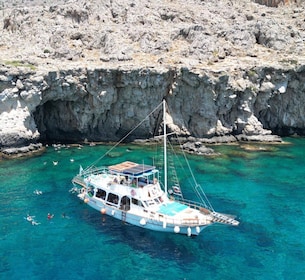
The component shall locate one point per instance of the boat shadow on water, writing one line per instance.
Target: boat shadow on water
(153, 243)
(159, 245)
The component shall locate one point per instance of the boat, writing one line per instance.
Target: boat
(133, 193)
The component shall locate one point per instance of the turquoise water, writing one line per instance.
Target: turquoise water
(264, 189)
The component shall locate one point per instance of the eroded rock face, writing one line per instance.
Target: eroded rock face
(92, 70)
(100, 104)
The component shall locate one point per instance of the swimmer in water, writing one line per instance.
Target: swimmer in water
(64, 216)
(37, 192)
(50, 216)
(29, 218)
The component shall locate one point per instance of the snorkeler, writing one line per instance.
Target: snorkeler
(29, 218)
(50, 216)
(38, 192)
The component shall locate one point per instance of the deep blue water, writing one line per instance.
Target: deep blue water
(265, 189)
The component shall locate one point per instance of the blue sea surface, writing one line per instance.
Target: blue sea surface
(264, 188)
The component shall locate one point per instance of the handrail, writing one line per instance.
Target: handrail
(94, 170)
(153, 216)
(101, 170)
(193, 204)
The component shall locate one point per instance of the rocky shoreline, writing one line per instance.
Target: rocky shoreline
(230, 72)
(24, 151)
(190, 145)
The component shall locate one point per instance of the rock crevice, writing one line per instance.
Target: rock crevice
(76, 70)
(101, 105)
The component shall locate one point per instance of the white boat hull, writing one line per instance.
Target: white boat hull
(150, 224)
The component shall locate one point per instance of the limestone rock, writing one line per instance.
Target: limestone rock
(92, 70)
(197, 148)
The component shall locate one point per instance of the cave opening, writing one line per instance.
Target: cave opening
(56, 122)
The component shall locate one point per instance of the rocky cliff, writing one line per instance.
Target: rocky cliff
(93, 69)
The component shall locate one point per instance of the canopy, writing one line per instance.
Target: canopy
(131, 168)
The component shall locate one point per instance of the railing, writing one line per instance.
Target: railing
(79, 180)
(193, 204)
(216, 218)
(152, 216)
(94, 170)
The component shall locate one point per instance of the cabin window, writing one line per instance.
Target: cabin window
(113, 198)
(142, 182)
(157, 200)
(101, 194)
(150, 202)
(136, 202)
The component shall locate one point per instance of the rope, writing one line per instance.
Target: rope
(118, 143)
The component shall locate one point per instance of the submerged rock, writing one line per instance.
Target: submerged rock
(197, 148)
(22, 151)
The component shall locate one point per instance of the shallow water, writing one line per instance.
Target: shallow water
(264, 189)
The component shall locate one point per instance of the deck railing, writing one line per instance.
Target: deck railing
(193, 204)
(94, 170)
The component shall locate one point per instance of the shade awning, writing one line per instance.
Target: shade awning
(131, 168)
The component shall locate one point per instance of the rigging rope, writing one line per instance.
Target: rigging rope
(197, 188)
(113, 147)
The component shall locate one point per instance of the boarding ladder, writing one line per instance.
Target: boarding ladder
(124, 216)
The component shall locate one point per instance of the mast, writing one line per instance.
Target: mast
(164, 147)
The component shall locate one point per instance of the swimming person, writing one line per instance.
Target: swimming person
(50, 216)
(29, 218)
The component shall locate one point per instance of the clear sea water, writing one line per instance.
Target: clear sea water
(265, 189)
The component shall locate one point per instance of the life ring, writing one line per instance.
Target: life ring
(82, 190)
(133, 192)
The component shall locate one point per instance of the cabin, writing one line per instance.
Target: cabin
(127, 185)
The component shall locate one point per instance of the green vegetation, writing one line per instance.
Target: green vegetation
(17, 63)
(251, 73)
(289, 61)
